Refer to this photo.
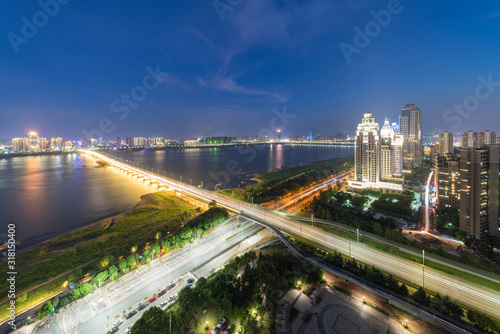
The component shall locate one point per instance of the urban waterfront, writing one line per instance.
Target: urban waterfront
(46, 196)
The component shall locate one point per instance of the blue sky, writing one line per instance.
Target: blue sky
(226, 77)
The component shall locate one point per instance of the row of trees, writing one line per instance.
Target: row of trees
(248, 286)
(110, 268)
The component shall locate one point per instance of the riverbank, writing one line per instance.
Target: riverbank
(284, 182)
(36, 154)
(46, 269)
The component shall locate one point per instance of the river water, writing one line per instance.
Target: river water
(47, 196)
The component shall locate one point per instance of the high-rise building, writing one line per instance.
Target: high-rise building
(33, 141)
(20, 144)
(56, 144)
(279, 135)
(479, 188)
(140, 141)
(44, 143)
(391, 153)
(374, 157)
(445, 143)
(470, 139)
(490, 137)
(447, 181)
(410, 126)
(366, 151)
(68, 145)
(129, 141)
(118, 142)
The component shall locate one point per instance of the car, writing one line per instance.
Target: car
(152, 299)
(142, 306)
(162, 292)
(171, 286)
(130, 314)
(113, 330)
(163, 303)
(190, 280)
(118, 323)
(172, 297)
(129, 328)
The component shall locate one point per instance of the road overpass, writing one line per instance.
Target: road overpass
(468, 293)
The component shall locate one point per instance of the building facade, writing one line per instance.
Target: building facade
(410, 126)
(375, 156)
(479, 188)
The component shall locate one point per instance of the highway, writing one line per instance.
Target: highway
(468, 293)
(286, 202)
(96, 312)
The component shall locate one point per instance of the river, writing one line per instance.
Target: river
(46, 196)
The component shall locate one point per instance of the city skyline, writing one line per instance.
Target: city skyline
(212, 77)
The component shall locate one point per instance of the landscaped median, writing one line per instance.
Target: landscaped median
(106, 250)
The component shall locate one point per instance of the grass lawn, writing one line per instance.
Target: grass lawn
(61, 255)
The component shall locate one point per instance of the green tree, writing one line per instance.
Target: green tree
(64, 301)
(85, 289)
(482, 322)
(421, 297)
(154, 320)
(75, 294)
(377, 229)
(112, 270)
(114, 276)
(165, 243)
(122, 265)
(156, 248)
(403, 291)
(46, 309)
(212, 204)
(55, 302)
(130, 260)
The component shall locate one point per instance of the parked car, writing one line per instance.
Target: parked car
(118, 323)
(142, 306)
(152, 299)
(130, 314)
(172, 297)
(171, 286)
(190, 280)
(113, 330)
(163, 303)
(162, 292)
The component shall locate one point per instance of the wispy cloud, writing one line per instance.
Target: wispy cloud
(495, 15)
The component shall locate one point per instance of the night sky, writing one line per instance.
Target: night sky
(224, 71)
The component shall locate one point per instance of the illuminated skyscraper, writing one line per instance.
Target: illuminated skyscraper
(20, 144)
(479, 189)
(377, 156)
(410, 125)
(44, 143)
(33, 141)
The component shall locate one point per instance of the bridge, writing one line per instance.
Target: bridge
(473, 295)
